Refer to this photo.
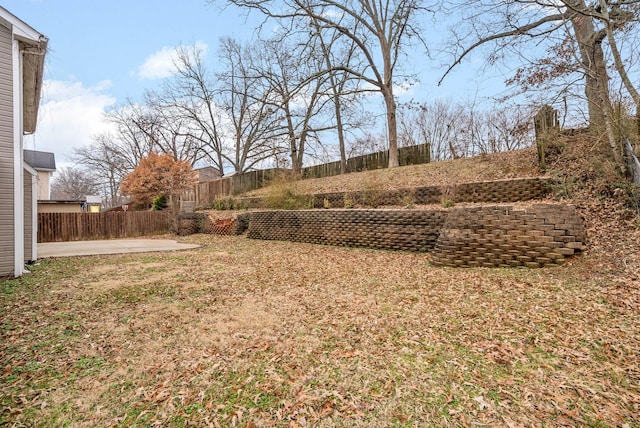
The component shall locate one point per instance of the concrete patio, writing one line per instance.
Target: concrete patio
(112, 246)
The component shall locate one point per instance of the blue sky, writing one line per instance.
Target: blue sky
(105, 51)
(109, 40)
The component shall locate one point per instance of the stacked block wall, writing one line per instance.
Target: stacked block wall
(498, 236)
(540, 235)
(381, 229)
(497, 191)
(190, 223)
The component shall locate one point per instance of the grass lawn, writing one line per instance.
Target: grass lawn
(256, 333)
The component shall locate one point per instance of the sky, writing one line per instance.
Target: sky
(104, 52)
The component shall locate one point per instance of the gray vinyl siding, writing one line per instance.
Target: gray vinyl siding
(7, 246)
(28, 219)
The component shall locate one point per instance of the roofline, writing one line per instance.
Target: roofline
(21, 29)
(29, 168)
(61, 201)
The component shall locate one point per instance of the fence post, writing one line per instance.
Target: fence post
(633, 164)
(546, 125)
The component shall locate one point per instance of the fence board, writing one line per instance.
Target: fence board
(206, 192)
(57, 227)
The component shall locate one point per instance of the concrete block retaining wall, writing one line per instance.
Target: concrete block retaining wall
(190, 223)
(497, 191)
(489, 236)
(500, 236)
(382, 229)
(497, 236)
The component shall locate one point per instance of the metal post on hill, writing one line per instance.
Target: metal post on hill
(547, 126)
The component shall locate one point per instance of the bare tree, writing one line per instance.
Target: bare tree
(294, 75)
(507, 129)
(244, 97)
(73, 183)
(343, 86)
(366, 144)
(127, 138)
(621, 17)
(539, 19)
(439, 124)
(107, 163)
(169, 131)
(379, 30)
(460, 130)
(191, 94)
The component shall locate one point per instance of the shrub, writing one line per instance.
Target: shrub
(348, 203)
(447, 203)
(370, 194)
(284, 195)
(408, 199)
(222, 203)
(159, 203)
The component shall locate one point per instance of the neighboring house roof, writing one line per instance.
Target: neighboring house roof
(61, 201)
(94, 199)
(34, 47)
(40, 161)
(208, 173)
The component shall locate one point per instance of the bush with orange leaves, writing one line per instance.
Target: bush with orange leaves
(158, 175)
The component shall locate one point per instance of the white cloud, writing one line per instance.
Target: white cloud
(161, 64)
(70, 114)
(404, 88)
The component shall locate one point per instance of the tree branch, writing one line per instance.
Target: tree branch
(516, 32)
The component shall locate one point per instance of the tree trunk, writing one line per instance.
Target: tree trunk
(617, 58)
(638, 122)
(390, 104)
(392, 127)
(343, 153)
(597, 79)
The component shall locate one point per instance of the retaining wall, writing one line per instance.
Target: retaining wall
(190, 223)
(498, 236)
(382, 229)
(497, 191)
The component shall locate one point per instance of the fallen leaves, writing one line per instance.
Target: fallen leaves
(258, 334)
(348, 337)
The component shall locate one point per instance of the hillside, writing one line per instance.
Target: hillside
(255, 333)
(584, 174)
(519, 163)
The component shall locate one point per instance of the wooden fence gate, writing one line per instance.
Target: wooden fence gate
(56, 227)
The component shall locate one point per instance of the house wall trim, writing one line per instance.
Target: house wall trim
(18, 171)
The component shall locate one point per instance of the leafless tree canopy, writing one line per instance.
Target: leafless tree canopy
(378, 30)
(457, 130)
(73, 184)
(299, 95)
(573, 33)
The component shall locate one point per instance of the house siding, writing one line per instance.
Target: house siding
(44, 185)
(28, 216)
(7, 236)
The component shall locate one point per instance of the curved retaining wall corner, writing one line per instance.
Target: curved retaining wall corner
(500, 236)
(489, 236)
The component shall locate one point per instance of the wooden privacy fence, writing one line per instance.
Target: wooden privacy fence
(546, 125)
(206, 192)
(55, 227)
(409, 155)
